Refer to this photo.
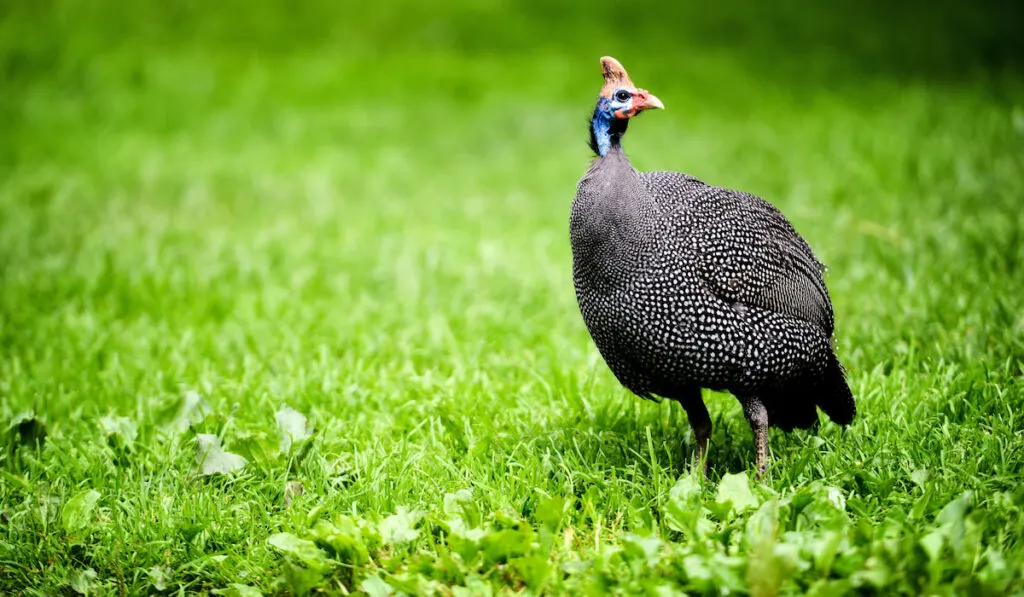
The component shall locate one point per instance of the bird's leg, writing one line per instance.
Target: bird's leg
(700, 422)
(757, 416)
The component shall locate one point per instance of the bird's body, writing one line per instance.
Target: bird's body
(684, 286)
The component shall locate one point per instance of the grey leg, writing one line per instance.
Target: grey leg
(757, 416)
(700, 422)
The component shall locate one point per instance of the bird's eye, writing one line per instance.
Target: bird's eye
(622, 95)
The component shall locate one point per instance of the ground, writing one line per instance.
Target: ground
(286, 300)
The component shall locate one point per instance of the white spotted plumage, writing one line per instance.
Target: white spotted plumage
(684, 285)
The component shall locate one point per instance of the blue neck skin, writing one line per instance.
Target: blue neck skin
(605, 129)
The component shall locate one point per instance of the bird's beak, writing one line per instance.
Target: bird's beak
(644, 100)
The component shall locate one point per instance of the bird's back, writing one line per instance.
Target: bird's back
(745, 249)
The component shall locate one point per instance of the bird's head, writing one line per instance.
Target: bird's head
(619, 101)
(624, 100)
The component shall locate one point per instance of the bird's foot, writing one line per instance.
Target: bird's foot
(762, 468)
(700, 455)
(757, 415)
(700, 464)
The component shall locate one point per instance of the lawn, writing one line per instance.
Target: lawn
(286, 300)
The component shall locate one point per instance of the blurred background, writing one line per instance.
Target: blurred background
(187, 186)
(360, 210)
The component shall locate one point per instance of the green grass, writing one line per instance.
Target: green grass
(362, 214)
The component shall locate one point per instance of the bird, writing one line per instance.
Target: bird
(684, 285)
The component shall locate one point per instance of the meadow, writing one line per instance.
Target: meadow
(286, 302)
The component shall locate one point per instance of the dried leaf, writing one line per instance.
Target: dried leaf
(293, 426)
(291, 491)
(120, 426)
(159, 576)
(180, 414)
(212, 459)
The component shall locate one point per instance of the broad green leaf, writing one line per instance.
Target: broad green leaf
(684, 508)
(293, 426)
(771, 561)
(463, 540)
(640, 517)
(301, 549)
(660, 589)
(400, 527)
(500, 546)
(764, 522)
(824, 547)
(735, 490)
(727, 573)
(77, 512)
(460, 504)
(932, 544)
(687, 490)
(374, 586)
(920, 505)
(819, 505)
(301, 580)
(697, 572)
(80, 581)
(475, 587)
(788, 555)
(549, 512)
(874, 577)
(827, 588)
(642, 548)
(314, 513)
(346, 541)
(956, 510)
(576, 566)
(410, 582)
(460, 529)
(998, 572)
(835, 497)
(453, 502)
(256, 448)
(212, 459)
(239, 590)
(535, 570)
(952, 520)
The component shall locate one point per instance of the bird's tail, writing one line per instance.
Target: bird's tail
(835, 397)
(795, 405)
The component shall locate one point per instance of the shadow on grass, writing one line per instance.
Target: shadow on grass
(653, 440)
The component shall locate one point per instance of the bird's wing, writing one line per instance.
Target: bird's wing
(745, 250)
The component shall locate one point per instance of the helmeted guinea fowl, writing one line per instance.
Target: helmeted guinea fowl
(684, 286)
